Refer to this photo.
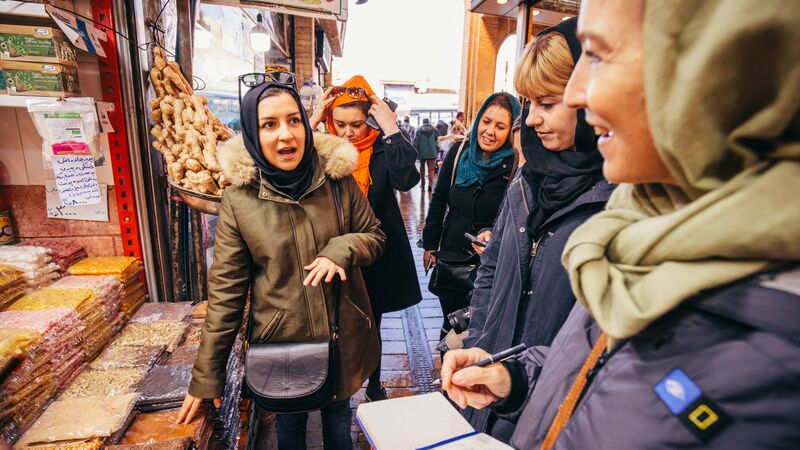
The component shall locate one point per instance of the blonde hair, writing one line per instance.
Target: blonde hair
(545, 67)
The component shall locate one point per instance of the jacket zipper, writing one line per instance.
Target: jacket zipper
(360, 311)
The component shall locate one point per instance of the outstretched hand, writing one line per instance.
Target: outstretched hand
(190, 407)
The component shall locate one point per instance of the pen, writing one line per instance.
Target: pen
(497, 357)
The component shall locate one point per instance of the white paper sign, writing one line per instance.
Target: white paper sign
(76, 180)
(57, 210)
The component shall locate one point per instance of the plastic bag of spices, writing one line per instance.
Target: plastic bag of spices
(67, 127)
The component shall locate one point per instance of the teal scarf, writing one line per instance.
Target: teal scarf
(472, 168)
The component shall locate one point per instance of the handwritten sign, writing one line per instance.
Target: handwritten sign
(57, 210)
(76, 180)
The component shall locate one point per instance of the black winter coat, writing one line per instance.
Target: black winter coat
(392, 280)
(469, 209)
(522, 292)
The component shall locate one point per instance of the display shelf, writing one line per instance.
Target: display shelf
(22, 9)
(18, 101)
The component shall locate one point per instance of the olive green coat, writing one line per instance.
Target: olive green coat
(263, 240)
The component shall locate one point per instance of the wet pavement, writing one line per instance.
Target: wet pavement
(410, 361)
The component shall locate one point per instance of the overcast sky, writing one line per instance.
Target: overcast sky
(404, 40)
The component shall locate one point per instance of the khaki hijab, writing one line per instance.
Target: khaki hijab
(722, 83)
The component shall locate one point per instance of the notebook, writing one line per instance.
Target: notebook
(420, 422)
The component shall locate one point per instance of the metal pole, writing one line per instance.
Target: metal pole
(147, 165)
(523, 26)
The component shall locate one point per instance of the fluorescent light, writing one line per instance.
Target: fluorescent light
(259, 36)
(565, 18)
(502, 2)
(536, 12)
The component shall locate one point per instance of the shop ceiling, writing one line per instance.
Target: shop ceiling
(510, 8)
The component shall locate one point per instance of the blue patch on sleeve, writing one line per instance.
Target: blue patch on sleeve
(677, 391)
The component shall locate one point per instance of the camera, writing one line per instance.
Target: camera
(459, 320)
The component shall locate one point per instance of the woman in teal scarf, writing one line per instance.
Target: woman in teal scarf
(469, 191)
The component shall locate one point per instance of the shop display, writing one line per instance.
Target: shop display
(45, 79)
(163, 312)
(36, 263)
(186, 132)
(67, 127)
(126, 269)
(37, 44)
(50, 363)
(168, 334)
(185, 354)
(165, 384)
(6, 225)
(172, 444)
(127, 357)
(106, 287)
(152, 428)
(12, 285)
(79, 418)
(64, 253)
(193, 334)
(108, 382)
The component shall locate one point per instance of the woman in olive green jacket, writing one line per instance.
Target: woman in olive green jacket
(278, 235)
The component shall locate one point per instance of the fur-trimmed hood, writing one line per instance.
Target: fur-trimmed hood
(337, 156)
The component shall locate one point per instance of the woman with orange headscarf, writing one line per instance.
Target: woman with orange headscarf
(386, 162)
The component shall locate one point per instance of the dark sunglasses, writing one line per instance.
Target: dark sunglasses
(254, 79)
(353, 92)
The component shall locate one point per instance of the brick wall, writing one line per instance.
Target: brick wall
(483, 35)
(28, 206)
(303, 48)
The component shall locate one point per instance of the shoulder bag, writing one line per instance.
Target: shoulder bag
(286, 377)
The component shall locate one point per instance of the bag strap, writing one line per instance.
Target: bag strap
(337, 282)
(452, 180)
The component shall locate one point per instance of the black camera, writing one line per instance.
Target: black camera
(459, 320)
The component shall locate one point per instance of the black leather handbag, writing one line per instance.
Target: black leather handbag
(289, 377)
(453, 272)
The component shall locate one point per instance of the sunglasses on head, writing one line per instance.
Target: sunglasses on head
(254, 79)
(353, 92)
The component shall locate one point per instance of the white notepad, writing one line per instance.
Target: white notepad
(425, 421)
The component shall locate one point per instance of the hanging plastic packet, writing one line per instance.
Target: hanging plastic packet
(67, 127)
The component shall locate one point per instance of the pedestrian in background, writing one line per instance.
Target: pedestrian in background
(479, 174)
(427, 152)
(525, 296)
(685, 335)
(386, 162)
(275, 238)
(409, 129)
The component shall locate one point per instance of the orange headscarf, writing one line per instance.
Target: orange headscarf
(364, 145)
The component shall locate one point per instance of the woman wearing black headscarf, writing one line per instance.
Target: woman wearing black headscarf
(522, 292)
(278, 238)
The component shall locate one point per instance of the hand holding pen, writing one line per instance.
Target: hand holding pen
(469, 384)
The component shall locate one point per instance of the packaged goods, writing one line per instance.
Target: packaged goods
(35, 44)
(121, 266)
(68, 127)
(42, 79)
(172, 444)
(165, 384)
(185, 354)
(79, 418)
(6, 226)
(163, 312)
(127, 357)
(168, 334)
(64, 253)
(3, 86)
(151, 428)
(34, 262)
(109, 382)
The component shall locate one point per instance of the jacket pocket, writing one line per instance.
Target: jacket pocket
(360, 311)
(271, 328)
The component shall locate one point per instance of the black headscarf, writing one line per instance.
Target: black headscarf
(558, 178)
(294, 182)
